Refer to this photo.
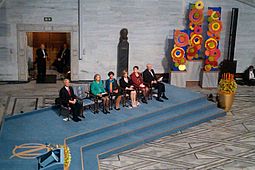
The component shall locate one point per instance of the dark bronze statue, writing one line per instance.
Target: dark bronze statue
(123, 50)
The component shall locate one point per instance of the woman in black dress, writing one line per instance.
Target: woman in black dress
(125, 84)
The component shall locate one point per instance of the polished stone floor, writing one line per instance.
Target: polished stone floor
(224, 143)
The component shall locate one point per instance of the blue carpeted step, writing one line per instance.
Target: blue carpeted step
(126, 141)
(19, 164)
(135, 123)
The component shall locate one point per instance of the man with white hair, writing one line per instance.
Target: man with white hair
(68, 99)
(42, 55)
(150, 78)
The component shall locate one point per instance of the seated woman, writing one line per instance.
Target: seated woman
(126, 84)
(97, 89)
(249, 76)
(137, 80)
(112, 88)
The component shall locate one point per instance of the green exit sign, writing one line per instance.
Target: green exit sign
(47, 19)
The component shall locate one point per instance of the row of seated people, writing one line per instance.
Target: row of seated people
(131, 86)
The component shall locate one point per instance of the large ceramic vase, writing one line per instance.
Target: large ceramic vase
(226, 100)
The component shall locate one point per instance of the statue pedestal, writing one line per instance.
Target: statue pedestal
(178, 78)
(209, 79)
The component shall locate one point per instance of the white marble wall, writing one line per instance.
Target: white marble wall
(150, 24)
(14, 12)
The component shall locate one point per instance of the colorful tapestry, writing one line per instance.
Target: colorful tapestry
(178, 54)
(196, 19)
(212, 52)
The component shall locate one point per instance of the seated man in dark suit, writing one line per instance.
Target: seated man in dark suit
(68, 99)
(150, 78)
(249, 76)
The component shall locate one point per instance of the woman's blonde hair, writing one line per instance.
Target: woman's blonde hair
(95, 76)
(124, 72)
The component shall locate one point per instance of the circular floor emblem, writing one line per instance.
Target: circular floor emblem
(29, 150)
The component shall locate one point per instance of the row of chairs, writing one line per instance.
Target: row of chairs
(92, 102)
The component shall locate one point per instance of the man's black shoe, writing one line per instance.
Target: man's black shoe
(76, 119)
(116, 108)
(144, 101)
(82, 116)
(159, 99)
(164, 97)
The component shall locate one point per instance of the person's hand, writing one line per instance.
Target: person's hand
(74, 100)
(155, 81)
(131, 86)
(142, 85)
(59, 59)
(115, 91)
(100, 95)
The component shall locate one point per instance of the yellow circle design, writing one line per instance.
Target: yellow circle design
(199, 5)
(182, 67)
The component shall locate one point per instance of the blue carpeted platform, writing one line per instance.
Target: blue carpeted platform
(100, 135)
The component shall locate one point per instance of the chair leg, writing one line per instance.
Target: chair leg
(111, 102)
(95, 106)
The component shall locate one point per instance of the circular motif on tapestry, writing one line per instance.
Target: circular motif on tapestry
(215, 26)
(215, 15)
(191, 51)
(215, 53)
(190, 57)
(182, 67)
(210, 44)
(181, 39)
(196, 39)
(177, 53)
(198, 30)
(182, 61)
(196, 16)
(208, 67)
(199, 5)
(191, 26)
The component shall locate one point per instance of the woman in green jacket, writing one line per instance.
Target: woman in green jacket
(97, 89)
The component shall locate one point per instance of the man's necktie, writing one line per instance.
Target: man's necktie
(69, 92)
(110, 87)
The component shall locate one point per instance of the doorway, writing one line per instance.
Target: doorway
(53, 42)
(25, 46)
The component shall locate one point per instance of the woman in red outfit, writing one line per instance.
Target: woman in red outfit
(137, 80)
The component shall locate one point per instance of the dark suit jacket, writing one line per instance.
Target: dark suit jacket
(40, 59)
(65, 97)
(66, 56)
(247, 74)
(124, 84)
(147, 77)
